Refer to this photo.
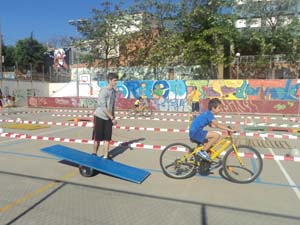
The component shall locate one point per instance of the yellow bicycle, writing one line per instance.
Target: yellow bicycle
(241, 164)
(143, 110)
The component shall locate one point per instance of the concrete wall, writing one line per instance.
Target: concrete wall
(273, 96)
(21, 89)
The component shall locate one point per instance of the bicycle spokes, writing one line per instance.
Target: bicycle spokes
(176, 162)
(244, 167)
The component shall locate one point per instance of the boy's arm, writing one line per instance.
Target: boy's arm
(218, 125)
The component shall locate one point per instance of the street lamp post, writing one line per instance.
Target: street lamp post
(1, 75)
(75, 23)
(237, 59)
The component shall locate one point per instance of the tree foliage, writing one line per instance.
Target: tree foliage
(29, 54)
(277, 29)
(162, 33)
(9, 56)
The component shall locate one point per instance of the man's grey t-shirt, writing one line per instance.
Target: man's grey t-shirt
(106, 100)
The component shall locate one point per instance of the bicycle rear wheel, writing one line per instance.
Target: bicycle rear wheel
(147, 112)
(250, 168)
(131, 112)
(174, 162)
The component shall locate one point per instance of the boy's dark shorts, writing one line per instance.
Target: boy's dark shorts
(102, 130)
(200, 136)
(195, 107)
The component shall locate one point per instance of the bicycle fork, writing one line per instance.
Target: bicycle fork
(230, 168)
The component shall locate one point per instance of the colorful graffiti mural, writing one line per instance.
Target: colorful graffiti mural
(287, 90)
(240, 96)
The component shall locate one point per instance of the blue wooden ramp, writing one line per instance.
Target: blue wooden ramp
(110, 167)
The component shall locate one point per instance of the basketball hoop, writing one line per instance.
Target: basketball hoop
(85, 79)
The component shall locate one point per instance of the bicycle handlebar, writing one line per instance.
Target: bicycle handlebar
(231, 132)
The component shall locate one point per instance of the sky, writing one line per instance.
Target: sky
(46, 19)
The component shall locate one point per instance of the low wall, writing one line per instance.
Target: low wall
(175, 105)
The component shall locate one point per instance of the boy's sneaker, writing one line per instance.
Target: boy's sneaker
(204, 155)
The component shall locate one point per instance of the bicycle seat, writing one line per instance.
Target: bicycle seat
(196, 142)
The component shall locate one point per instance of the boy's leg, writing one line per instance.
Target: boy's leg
(195, 109)
(212, 137)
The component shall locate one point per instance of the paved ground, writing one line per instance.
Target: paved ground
(37, 189)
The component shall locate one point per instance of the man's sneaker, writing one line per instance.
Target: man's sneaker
(204, 155)
(109, 157)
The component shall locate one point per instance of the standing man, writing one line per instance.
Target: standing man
(195, 98)
(104, 116)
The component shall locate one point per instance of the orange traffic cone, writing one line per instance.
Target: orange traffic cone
(76, 121)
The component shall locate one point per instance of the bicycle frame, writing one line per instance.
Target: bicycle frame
(222, 145)
(141, 108)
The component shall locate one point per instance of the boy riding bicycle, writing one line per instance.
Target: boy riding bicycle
(139, 103)
(207, 138)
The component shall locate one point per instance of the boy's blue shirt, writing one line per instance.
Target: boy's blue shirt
(200, 122)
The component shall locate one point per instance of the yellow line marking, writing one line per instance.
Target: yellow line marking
(37, 192)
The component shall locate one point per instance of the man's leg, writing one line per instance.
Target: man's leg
(105, 149)
(96, 147)
(212, 137)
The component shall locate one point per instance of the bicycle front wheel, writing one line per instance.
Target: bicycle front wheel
(245, 171)
(147, 112)
(176, 163)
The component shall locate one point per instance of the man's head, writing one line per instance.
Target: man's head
(214, 105)
(112, 76)
(112, 79)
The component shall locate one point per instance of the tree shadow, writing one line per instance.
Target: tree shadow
(124, 146)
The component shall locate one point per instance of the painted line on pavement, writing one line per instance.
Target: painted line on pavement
(287, 176)
(38, 191)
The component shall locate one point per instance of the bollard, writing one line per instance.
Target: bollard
(76, 121)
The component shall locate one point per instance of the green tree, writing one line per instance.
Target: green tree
(272, 28)
(29, 54)
(208, 32)
(9, 56)
(157, 33)
(101, 34)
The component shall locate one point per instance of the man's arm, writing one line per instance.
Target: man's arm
(102, 102)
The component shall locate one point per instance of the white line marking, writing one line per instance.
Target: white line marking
(287, 176)
(50, 132)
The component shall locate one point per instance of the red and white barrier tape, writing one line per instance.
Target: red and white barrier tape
(245, 122)
(130, 118)
(79, 124)
(90, 124)
(24, 112)
(130, 144)
(186, 114)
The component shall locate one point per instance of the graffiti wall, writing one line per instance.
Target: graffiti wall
(241, 96)
(48, 102)
(287, 90)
